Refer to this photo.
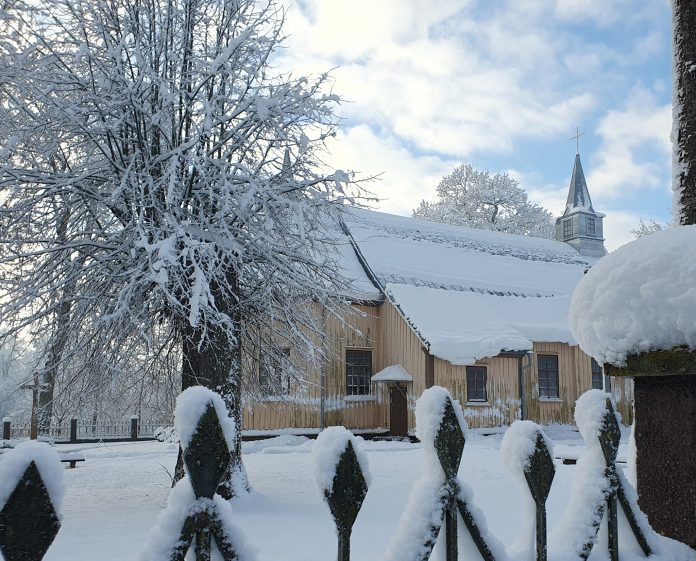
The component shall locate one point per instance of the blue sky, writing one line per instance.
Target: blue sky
(500, 84)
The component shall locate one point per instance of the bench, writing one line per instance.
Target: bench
(72, 459)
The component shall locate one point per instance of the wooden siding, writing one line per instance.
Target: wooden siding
(622, 391)
(301, 408)
(400, 345)
(502, 388)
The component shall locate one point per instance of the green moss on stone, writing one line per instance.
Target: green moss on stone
(679, 360)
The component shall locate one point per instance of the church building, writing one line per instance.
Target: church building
(479, 312)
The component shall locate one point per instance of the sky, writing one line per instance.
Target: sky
(502, 85)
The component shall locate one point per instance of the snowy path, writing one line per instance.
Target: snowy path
(112, 499)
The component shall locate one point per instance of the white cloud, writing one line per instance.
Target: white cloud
(626, 133)
(436, 78)
(406, 179)
(617, 228)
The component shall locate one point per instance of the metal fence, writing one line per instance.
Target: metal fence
(449, 509)
(75, 430)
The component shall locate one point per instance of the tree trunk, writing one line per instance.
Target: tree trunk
(213, 359)
(684, 108)
(60, 332)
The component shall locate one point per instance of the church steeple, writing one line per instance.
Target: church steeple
(578, 195)
(581, 226)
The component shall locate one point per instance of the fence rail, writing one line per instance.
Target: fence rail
(76, 431)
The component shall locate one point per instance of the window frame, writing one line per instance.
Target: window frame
(567, 228)
(358, 383)
(597, 375)
(274, 381)
(476, 387)
(591, 227)
(546, 390)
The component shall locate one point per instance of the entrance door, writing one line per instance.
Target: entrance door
(398, 411)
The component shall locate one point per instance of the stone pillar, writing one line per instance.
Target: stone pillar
(665, 407)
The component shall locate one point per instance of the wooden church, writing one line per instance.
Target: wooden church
(482, 313)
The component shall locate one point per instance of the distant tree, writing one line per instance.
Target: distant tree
(475, 198)
(159, 181)
(645, 228)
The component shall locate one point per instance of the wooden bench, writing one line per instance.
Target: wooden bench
(72, 459)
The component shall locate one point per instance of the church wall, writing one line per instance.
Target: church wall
(301, 408)
(400, 345)
(502, 389)
(392, 341)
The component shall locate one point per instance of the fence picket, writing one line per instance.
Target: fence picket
(447, 442)
(538, 471)
(28, 519)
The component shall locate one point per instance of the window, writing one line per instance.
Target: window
(358, 371)
(547, 366)
(597, 376)
(274, 378)
(568, 228)
(591, 231)
(476, 383)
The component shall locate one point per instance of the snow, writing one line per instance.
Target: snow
(326, 453)
(639, 298)
(15, 461)
(519, 443)
(191, 404)
(164, 536)
(113, 499)
(392, 373)
(462, 327)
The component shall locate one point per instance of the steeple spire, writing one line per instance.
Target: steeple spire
(578, 195)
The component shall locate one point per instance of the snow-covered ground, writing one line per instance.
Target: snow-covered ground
(113, 498)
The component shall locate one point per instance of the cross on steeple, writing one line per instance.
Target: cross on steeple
(577, 136)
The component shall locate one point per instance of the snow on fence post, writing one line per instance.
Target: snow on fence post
(599, 487)
(438, 496)
(31, 492)
(6, 428)
(528, 455)
(195, 514)
(342, 475)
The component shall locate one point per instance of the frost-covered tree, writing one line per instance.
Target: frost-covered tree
(475, 198)
(646, 227)
(159, 183)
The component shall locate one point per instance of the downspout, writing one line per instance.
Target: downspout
(521, 368)
(322, 374)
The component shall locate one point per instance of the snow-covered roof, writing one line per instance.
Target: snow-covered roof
(393, 373)
(470, 293)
